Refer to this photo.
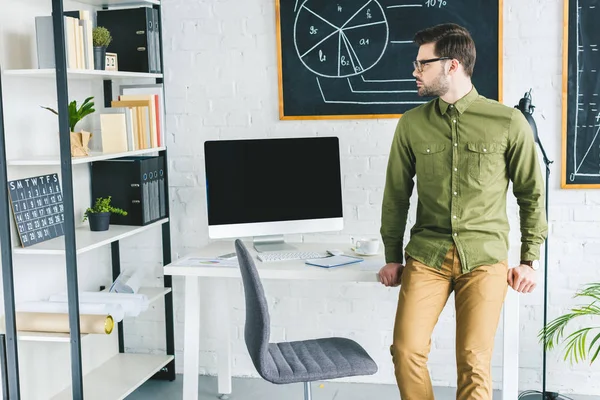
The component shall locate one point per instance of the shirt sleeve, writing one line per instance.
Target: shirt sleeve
(397, 192)
(528, 186)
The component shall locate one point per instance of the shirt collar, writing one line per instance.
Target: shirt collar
(462, 104)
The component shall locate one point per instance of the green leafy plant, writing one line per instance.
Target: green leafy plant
(77, 114)
(102, 205)
(576, 348)
(101, 37)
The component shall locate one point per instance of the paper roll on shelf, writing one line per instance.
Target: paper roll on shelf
(59, 323)
(113, 309)
(128, 281)
(132, 304)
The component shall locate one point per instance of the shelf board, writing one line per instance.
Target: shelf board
(79, 74)
(153, 293)
(94, 156)
(118, 377)
(119, 3)
(49, 337)
(86, 240)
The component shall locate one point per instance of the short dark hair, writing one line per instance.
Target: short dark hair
(451, 40)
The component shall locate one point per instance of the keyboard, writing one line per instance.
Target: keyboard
(289, 255)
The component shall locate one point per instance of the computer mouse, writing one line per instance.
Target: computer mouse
(335, 252)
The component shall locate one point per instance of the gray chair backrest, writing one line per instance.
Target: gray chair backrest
(257, 328)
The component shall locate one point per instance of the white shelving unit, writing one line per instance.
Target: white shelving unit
(153, 293)
(118, 377)
(79, 74)
(124, 372)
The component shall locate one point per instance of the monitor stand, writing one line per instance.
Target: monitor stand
(271, 243)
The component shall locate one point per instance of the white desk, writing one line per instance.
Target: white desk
(364, 272)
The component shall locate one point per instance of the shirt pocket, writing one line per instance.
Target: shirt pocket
(486, 160)
(430, 160)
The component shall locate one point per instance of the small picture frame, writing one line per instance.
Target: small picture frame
(111, 63)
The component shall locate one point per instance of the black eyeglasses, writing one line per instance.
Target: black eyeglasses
(418, 64)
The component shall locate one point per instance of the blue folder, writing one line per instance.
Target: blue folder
(333, 261)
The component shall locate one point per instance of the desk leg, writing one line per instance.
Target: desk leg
(224, 345)
(191, 338)
(510, 351)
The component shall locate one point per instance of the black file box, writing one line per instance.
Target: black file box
(135, 36)
(136, 184)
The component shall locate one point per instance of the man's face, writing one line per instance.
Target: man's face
(432, 80)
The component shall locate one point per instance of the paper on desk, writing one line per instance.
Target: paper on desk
(204, 262)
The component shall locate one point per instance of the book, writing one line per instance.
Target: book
(113, 128)
(333, 261)
(157, 90)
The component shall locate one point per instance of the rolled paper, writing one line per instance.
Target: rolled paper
(114, 310)
(59, 323)
(133, 304)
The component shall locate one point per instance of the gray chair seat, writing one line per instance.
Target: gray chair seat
(311, 360)
(290, 362)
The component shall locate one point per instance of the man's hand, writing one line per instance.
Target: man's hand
(391, 274)
(523, 278)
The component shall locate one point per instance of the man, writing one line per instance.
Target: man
(463, 149)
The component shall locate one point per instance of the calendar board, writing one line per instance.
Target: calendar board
(37, 205)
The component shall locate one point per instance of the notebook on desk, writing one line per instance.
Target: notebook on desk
(333, 261)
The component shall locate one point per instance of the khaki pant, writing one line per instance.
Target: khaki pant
(479, 296)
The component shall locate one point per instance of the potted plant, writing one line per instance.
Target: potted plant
(99, 214)
(79, 140)
(101, 38)
(577, 348)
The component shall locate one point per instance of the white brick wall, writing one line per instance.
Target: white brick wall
(222, 83)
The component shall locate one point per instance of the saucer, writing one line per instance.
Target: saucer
(363, 254)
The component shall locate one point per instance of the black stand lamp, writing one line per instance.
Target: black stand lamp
(526, 108)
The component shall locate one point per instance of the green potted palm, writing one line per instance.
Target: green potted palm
(101, 38)
(577, 348)
(99, 214)
(79, 140)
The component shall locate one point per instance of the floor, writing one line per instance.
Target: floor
(258, 389)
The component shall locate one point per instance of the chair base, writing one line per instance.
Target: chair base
(307, 392)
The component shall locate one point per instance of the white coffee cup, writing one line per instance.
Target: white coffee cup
(366, 246)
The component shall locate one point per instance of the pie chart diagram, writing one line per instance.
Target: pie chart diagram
(340, 39)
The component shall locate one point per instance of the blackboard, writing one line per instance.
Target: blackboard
(353, 58)
(581, 95)
(37, 205)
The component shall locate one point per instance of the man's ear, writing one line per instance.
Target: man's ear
(454, 66)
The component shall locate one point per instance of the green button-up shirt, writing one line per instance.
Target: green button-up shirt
(463, 156)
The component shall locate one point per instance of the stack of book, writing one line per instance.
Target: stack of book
(137, 123)
(78, 40)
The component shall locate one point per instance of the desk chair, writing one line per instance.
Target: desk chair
(291, 362)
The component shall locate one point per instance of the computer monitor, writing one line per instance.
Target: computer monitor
(266, 188)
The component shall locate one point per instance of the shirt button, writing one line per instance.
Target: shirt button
(454, 217)
(451, 106)
(484, 150)
(454, 120)
(455, 234)
(429, 150)
(455, 144)
(455, 193)
(456, 169)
